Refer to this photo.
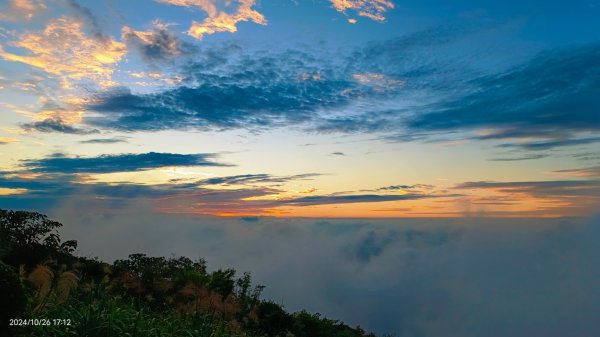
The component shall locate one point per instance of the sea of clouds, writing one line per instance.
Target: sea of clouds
(413, 277)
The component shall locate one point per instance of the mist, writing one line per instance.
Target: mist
(411, 277)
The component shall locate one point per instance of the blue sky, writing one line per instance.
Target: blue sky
(356, 95)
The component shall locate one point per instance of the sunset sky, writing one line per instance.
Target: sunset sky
(301, 108)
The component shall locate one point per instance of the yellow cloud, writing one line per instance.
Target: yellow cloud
(7, 140)
(154, 75)
(11, 191)
(63, 49)
(219, 20)
(372, 9)
(206, 5)
(18, 9)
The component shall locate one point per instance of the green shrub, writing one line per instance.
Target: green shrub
(12, 298)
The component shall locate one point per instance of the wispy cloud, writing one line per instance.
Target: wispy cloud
(540, 188)
(552, 94)
(540, 198)
(104, 140)
(86, 14)
(349, 199)
(60, 163)
(549, 144)
(56, 125)
(245, 179)
(580, 172)
(525, 157)
(406, 187)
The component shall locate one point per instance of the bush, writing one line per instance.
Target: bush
(12, 299)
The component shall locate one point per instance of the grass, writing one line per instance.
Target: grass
(99, 314)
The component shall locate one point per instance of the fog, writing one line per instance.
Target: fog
(413, 277)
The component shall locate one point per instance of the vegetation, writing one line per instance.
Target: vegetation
(41, 278)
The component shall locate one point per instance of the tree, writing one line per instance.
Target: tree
(272, 320)
(30, 238)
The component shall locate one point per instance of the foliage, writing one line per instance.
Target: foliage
(138, 296)
(313, 325)
(13, 300)
(272, 319)
(30, 238)
(100, 313)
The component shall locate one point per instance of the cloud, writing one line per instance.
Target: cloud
(538, 103)
(63, 49)
(373, 245)
(87, 15)
(549, 144)
(157, 44)
(225, 88)
(337, 154)
(250, 201)
(379, 81)
(53, 187)
(22, 9)
(379, 88)
(219, 20)
(57, 179)
(354, 124)
(56, 125)
(207, 6)
(526, 157)
(405, 187)
(60, 163)
(581, 172)
(349, 199)
(104, 140)
(4, 140)
(255, 178)
(225, 22)
(254, 92)
(550, 95)
(538, 198)
(372, 9)
(586, 156)
(540, 188)
(411, 277)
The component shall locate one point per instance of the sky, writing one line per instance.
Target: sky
(314, 108)
(428, 168)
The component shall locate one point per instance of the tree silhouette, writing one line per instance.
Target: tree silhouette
(30, 238)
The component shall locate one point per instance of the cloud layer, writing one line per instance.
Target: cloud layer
(550, 95)
(252, 93)
(545, 102)
(463, 277)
